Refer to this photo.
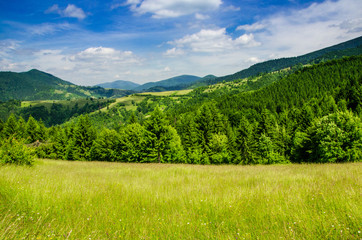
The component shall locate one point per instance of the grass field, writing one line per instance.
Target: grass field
(96, 200)
(167, 93)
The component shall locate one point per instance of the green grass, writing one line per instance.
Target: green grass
(95, 200)
(127, 101)
(167, 93)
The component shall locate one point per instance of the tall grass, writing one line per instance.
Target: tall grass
(95, 200)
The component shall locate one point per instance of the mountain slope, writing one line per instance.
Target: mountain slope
(169, 83)
(349, 48)
(119, 84)
(37, 85)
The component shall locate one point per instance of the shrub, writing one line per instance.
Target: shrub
(16, 152)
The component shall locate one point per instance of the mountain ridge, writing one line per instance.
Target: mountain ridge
(38, 85)
(170, 82)
(119, 84)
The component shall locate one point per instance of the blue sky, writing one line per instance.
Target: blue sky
(90, 42)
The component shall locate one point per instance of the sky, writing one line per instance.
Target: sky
(88, 42)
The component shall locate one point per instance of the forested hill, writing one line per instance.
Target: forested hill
(179, 81)
(350, 48)
(311, 115)
(37, 85)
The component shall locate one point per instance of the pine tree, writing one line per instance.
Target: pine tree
(104, 147)
(21, 128)
(244, 143)
(32, 130)
(156, 125)
(84, 135)
(10, 126)
(133, 118)
(60, 143)
(162, 139)
(133, 145)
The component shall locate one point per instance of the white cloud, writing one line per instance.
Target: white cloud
(174, 52)
(174, 8)
(88, 67)
(253, 60)
(252, 27)
(301, 31)
(212, 41)
(201, 16)
(70, 11)
(231, 8)
(167, 69)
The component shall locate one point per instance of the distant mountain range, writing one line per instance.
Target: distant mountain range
(37, 85)
(119, 84)
(171, 82)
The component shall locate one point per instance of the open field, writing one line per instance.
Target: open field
(167, 93)
(97, 200)
(130, 100)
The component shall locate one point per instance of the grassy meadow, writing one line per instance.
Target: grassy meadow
(102, 200)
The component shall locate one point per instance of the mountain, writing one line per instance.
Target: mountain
(178, 82)
(119, 84)
(38, 85)
(349, 48)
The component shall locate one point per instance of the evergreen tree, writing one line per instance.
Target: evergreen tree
(156, 125)
(245, 144)
(21, 129)
(32, 130)
(10, 126)
(186, 128)
(133, 118)
(1, 126)
(208, 121)
(133, 145)
(60, 144)
(104, 147)
(84, 135)
(162, 138)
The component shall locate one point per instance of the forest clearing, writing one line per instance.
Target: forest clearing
(102, 200)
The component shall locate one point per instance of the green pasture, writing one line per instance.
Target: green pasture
(103, 200)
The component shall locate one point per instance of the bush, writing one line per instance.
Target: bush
(16, 152)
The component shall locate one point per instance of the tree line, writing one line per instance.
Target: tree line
(312, 115)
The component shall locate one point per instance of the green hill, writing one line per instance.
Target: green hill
(119, 84)
(37, 85)
(350, 48)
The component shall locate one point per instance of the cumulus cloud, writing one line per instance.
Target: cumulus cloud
(251, 27)
(300, 31)
(174, 52)
(103, 54)
(71, 11)
(211, 41)
(172, 9)
(87, 67)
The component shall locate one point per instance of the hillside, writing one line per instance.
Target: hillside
(309, 115)
(349, 48)
(179, 82)
(37, 85)
(119, 84)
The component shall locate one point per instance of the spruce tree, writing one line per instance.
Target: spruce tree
(10, 126)
(156, 125)
(32, 130)
(133, 145)
(84, 135)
